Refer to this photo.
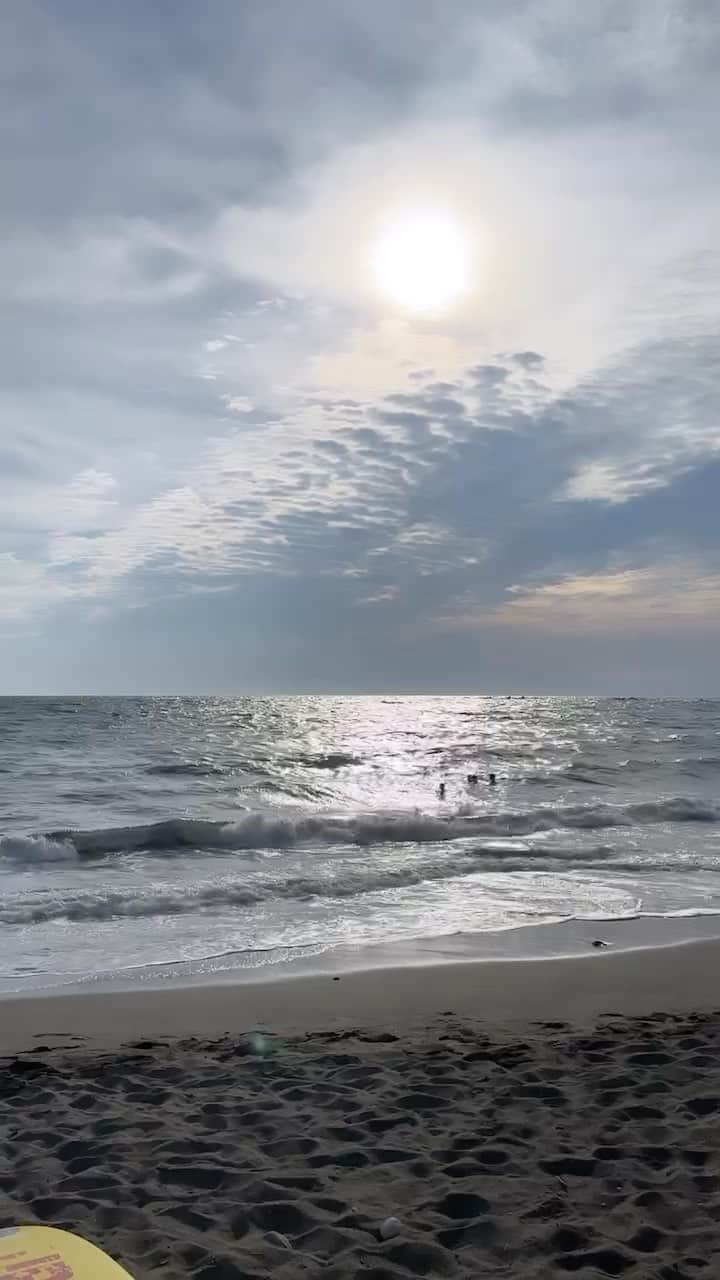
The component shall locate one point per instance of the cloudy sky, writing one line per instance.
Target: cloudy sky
(360, 346)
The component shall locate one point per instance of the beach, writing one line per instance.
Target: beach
(270, 1005)
(359, 592)
(438, 1118)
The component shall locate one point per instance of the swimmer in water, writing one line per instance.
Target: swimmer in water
(472, 779)
(492, 780)
(441, 790)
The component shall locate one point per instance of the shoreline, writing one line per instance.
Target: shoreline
(663, 966)
(549, 939)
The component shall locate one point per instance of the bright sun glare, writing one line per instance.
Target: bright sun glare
(420, 261)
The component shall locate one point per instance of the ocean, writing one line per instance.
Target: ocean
(172, 831)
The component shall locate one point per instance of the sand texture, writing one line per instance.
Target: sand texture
(535, 1152)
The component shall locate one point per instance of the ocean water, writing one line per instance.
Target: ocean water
(161, 831)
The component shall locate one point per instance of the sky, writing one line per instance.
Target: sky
(356, 347)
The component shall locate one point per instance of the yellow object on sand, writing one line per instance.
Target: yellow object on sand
(47, 1253)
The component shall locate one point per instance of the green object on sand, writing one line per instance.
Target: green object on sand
(47, 1253)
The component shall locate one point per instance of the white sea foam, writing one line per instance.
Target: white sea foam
(349, 881)
(29, 849)
(335, 884)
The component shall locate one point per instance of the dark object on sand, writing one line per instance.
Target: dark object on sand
(598, 942)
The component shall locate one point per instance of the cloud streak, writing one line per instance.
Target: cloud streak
(671, 595)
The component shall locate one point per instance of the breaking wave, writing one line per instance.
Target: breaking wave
(262, 831)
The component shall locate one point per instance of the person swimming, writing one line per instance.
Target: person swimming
(492, 779)
(472, 779)
(441, 790)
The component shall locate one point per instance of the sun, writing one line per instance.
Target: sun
(420, 261)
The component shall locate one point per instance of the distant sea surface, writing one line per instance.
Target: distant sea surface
(160, 831)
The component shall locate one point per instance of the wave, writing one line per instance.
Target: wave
(346, 882)
(189, 769)
(29, 849)
(263, 831)
(333, 760)
(698, 766)
(583, 775)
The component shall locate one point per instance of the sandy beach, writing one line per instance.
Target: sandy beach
(512, 1118)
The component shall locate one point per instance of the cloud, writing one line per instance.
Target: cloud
(657, 597)
(268, 496)
(86, 501)
(646, 419)
(528, 359)
(205, 392)
(388, 499)
(423, 535)
(22, 584)
(382, 596)
(130, 262)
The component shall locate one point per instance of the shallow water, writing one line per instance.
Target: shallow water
(154, 830)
